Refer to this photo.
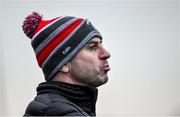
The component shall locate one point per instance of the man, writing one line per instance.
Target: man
(69, 50)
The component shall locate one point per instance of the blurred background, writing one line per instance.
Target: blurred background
(143, 37)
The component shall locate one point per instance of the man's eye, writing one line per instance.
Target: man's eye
(93, 47)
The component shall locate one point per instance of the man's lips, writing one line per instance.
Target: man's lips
(106, 68)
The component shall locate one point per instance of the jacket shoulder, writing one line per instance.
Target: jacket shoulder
(54, 105)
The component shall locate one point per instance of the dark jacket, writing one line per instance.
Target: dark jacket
(61, 99)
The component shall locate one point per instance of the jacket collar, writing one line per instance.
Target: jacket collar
(83, 96)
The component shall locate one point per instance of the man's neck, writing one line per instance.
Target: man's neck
(61, 77)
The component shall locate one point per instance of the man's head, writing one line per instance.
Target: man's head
(70, 46)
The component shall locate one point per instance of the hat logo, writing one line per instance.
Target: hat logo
(66, 50)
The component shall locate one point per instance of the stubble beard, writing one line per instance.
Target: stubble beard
(89, 77)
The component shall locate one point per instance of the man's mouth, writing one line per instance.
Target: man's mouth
(106, 68)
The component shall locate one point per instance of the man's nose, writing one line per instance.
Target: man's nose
(104, 54)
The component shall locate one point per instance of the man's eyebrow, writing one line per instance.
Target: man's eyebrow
(94, 42)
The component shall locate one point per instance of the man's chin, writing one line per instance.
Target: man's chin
(101, 82)
(105, 80)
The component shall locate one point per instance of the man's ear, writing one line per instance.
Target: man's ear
(65, 69)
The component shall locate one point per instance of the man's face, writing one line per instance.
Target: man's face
(89, 67)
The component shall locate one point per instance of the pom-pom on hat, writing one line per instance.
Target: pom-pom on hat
(58, 40)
